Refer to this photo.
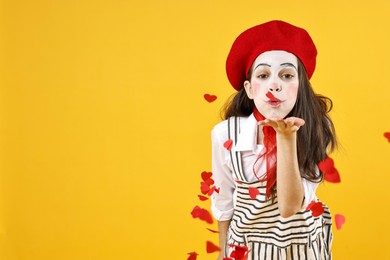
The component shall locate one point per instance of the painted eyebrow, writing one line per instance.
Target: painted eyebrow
(262, 64)
(288, 65)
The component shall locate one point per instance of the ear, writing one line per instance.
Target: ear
(248, 89)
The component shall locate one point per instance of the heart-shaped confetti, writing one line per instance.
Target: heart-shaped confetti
(316, 208)
(331, 174)
(204, 188)
(326, 165)
(210, 98)
(206, 175)
(228, 144)
(253, 192)
(340, 220)
(212, 190)
(270, 95)
(387, 135)
(211, 247)
(239, 252)
(202, 214)
(192, 256)
(209, 182)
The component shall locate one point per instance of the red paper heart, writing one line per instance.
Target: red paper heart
(212, 189)
(209, 182)
(228, 144)
(204, 188)
(202, 198)
(330, 172)
(206, 175)
(326, 165)
(333, 176)
(210, 98)
(271, 97)
(387, 135)
(340, 220)
(239, 252)
(253, 192)
(202, 214)
(211, 248)
(316, 208)
(192, 256)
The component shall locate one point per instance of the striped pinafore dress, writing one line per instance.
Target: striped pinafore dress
(257, 224)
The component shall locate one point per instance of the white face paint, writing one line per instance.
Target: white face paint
(273, 85)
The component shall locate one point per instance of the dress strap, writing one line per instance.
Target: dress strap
(235, 156)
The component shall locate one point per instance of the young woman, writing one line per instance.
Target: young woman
(265, 153)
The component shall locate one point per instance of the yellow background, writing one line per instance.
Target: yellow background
(104, 129)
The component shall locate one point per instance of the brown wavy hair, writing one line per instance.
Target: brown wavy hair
(314, 140)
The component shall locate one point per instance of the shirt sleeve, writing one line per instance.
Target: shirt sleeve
(221, 203)
(310, 192)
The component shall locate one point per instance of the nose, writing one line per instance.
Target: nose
(275, 87)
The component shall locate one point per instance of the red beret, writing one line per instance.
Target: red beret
(273, 35)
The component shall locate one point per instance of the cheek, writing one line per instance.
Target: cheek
(257, 89)
(292, 91)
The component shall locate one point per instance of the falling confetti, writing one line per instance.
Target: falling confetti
(253, 192)
(210, 98)
(202, 214)
(331, 174)
(192, 256)
(212, 231)
(206, 175)
(203, 198)
(340, 220)
(228, 144)
(211, 248)
(387, 135)
(271, 96)
(239, 252)
(206, 186)
(316, 208)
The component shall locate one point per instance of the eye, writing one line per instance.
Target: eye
(262, 76)
(288, 76)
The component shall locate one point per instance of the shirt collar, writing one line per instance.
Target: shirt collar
(247, 138)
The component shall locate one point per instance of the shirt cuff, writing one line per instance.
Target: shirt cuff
(222, 215)
(310, 192)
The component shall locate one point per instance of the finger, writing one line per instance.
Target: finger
(299, 122)
(295, 128)
(296, 121)
(268, 122)
(289, 122)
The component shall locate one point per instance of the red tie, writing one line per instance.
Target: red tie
(269, 151)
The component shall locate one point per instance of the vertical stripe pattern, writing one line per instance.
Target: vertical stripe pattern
(257, 224)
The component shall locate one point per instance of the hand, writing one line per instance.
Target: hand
(282, 126)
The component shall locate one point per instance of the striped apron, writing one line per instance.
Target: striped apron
(257, 224)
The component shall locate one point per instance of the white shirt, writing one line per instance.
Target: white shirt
(222, 203)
